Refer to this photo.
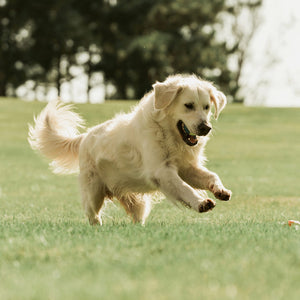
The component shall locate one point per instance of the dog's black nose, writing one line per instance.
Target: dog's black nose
(203, 129)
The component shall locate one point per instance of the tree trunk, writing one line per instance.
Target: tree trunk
(89, 77)
(3, 84)
(58, 77)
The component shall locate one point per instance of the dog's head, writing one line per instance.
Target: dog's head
(188, 100)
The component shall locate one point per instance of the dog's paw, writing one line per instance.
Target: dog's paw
(95, 220)
(206, 205)
(223, 194)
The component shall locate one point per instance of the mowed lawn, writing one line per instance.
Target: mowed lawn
(243, 249)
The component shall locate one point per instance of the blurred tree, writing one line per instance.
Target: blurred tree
(39, 41)
(57, 33)
(132, 42)
(94, 20)
(146, 40)
(13, 43)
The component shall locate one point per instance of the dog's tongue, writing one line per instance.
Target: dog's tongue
(192, 138)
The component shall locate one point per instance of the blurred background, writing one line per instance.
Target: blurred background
(92, 50)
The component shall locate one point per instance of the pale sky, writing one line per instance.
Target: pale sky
(272, 72)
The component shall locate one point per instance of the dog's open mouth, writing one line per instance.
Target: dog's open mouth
(188, 137)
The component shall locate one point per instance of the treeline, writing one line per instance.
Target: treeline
(132, 43)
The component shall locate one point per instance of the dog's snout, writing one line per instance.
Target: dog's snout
(203, 129)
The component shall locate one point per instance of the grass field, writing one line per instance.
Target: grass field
(240, 250)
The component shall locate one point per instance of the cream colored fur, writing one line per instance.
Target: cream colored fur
(135, 154)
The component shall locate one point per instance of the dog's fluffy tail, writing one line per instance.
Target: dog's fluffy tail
(55, 135)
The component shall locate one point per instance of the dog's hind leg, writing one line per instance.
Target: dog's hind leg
(137, 206)
(93, 193)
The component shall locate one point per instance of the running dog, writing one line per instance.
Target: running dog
(157, 146)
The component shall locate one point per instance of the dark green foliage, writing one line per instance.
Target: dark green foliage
(132, 42)
(12, 47)
(149, 40)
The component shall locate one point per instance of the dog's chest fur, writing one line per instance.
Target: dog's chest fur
(131, 148)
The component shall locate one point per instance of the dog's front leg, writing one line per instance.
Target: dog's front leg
(202, 178)
(170, 183)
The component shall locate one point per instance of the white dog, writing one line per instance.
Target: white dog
(157, 146)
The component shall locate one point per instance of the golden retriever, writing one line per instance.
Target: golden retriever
(157, 146)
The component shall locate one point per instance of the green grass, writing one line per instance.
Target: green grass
(240, 250)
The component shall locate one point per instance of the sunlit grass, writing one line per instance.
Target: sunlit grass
(240, 250)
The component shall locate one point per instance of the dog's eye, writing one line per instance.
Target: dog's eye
(189, 105)
(206, 107)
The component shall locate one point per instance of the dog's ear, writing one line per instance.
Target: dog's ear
(164, 94)
(219, 100)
